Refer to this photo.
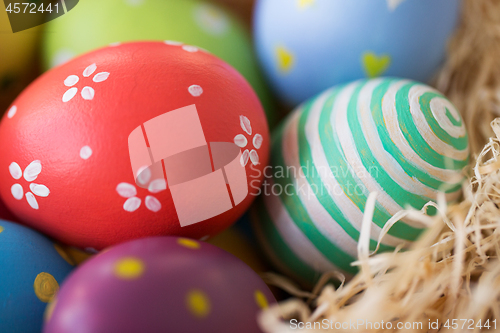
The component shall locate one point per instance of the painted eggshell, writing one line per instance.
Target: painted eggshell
(399, 138)
(131, 141)
(160, 284)
(31, 269)
(5, 213)
(192, 22)
(307, 46)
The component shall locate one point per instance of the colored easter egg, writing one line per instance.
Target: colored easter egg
(160, 284)
(307, 46)
(398, 138)
(131, 141)
(192, 22)
(5, 213)
(31, 270)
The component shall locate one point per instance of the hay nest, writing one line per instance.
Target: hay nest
(453, 270)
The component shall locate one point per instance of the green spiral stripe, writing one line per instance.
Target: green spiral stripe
(301, 218)
(415, 139)
(306, 160)
(279, 247)
(411, 169)
(391, 187)
(334, 248)
(336, 158)
(460, 143)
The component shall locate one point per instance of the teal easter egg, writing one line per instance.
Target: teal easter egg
(31, 269)
(398, 138)
(95, 23)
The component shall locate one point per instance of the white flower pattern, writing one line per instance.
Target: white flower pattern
(30, 174)
(87, 92)
(241, 141)
(187, 48)
(129, 191)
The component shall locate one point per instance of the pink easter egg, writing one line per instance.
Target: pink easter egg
(160, 284)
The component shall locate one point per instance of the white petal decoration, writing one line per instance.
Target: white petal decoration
(100, 77)
(153, 204)
(157, 185)
(254, 157)
(245, 125)
(71, 80)
(89, 70)
(31, 200)
(257, 141)
(195, 90)
(190, 48)
(132, 204)
(40, 190)
(85, 152)
(68, 95)
(12, 112)
(244, 158)
(32, 171)
(173, 43)
(88, 93)
(144, 175)
(15, 170)
(17, 191)
(240, 140)
(126, 190)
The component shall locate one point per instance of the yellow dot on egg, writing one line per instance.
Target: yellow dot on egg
(49, 310)
(63, 254)
(45, 287)
(305, 3)
(189, 243)
(198, 303)
(285, 59)
(1, 229)
(261, 299)
(129, 268)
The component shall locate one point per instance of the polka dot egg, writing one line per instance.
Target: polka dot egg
(160, 284)
(31, 269)
(134, 140)
(398, 138)
(307, 46)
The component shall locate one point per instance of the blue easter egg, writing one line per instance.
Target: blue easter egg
(31, 270)
(307, 46)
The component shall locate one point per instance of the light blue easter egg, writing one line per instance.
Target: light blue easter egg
(307, 46)
(31, 269)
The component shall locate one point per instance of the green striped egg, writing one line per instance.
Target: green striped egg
(399, 138)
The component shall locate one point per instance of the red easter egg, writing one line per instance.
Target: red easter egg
(5, 213)
(131, 141)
